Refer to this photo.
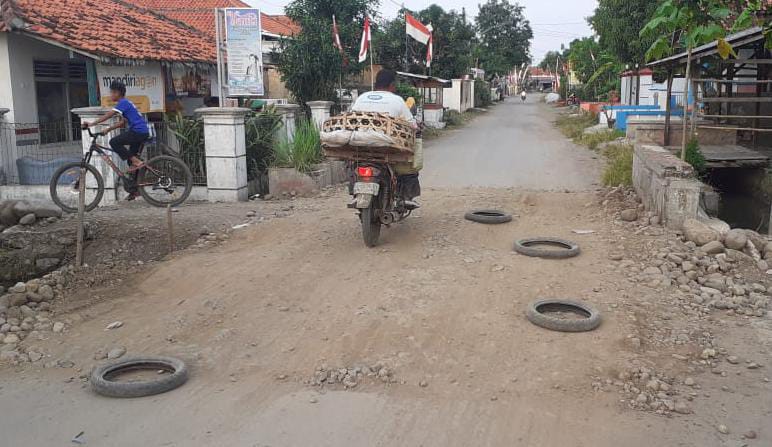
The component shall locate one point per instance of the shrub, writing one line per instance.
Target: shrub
(406, 91)
(303, 152)
(619, 166)
(482, 93)
(190, 136)
(453, 118)
(261, 131)
(694, 156)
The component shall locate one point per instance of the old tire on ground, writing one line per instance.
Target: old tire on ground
(101, 383)
(488, 216)
(536, 315)
(531, 247)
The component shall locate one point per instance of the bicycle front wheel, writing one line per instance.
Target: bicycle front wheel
(165, 181)
(65, 187)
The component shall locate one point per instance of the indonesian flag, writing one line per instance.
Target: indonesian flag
(365, 45)
(336, 35)
(430, 51)
(417, 30)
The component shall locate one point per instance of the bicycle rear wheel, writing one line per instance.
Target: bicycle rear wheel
(165, 181)
(65, 187)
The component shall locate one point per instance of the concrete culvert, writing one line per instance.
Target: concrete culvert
(563, 315)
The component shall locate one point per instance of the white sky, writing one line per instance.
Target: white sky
(554, 22)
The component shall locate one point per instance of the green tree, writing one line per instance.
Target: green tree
(504, 35)
(550, 60)
(597, 69)
(617, 24)
(311, 67)
(453, 37)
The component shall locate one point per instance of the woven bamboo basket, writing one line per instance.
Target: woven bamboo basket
(401, 132)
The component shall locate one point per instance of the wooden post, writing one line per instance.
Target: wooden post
(695, 92)
(686, 101)
(170, 225)
(81, 213)
(668, 108)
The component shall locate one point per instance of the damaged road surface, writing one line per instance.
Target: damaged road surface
(297, 335)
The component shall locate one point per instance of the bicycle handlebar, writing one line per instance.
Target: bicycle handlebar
(92, 134)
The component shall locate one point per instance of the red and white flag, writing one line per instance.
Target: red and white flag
(417, 30)
(336, 36)
(365, 45)
(430, 51)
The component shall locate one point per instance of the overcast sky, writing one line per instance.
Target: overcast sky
(554, 22)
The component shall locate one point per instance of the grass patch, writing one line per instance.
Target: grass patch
(619, 166)
(573, 125)
(303, 152)
(593, 140)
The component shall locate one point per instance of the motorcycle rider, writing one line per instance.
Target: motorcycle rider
(384, 100)
(523, 95)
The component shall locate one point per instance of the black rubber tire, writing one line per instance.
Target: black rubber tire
(187, 182)
(371, 226)
(101, 383)
(535, 315)
(55, 181)
(567, 249)
(490, 217)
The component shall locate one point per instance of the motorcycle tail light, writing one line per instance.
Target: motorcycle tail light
(365, 171)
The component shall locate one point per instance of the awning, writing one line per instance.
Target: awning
(746, 37)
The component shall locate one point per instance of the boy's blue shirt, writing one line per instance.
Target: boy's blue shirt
(129, 111)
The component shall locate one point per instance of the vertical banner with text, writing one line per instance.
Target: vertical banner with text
(244, 49)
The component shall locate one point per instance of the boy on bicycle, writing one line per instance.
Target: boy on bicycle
(138, 131)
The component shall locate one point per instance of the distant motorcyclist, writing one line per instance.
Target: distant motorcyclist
(523, 95)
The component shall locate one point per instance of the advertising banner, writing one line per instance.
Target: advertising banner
(244, 49)
(144, 85)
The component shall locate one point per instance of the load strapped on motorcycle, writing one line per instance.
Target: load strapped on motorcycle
(373, 144)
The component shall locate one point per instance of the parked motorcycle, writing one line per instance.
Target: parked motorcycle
(377, 197)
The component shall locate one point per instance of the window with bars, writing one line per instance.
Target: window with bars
(60, 86)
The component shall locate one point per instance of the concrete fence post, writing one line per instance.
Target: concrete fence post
(226, 153)
(89, 115)
(320, 111)
(288, 114)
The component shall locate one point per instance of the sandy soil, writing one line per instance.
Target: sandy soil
(441, 302)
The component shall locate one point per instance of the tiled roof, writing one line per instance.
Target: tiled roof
(200, 14)
(109, 28)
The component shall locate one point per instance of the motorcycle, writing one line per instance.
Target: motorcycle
(377, 198)
(523, 96)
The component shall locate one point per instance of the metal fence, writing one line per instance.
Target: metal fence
(184, 139)
(30, 153)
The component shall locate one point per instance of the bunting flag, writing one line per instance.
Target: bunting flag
(365, 45)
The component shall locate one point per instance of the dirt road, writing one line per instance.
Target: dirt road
(440, 303)
(513, 145)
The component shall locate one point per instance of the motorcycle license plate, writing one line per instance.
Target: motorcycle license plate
(366, 188)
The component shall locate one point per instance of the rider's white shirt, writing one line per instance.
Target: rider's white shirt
(383, 102)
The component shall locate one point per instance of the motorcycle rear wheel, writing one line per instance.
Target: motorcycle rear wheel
(371, 225)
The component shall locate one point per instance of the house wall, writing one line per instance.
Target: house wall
(23, 51)
(6, 95)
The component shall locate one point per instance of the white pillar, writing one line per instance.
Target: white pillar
(320, 111)
(226, 153)
(91, 114)
(288, 114)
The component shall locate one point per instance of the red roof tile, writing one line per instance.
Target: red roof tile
(200, 14)
(111, 28)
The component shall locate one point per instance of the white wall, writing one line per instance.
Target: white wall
(23, 51)
(6, 97)
(453, 99)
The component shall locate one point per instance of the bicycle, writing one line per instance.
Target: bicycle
(162, 181)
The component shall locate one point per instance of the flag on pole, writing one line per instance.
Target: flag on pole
(417, 30)
(430, 51)
(336, 35)
(365, 45)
